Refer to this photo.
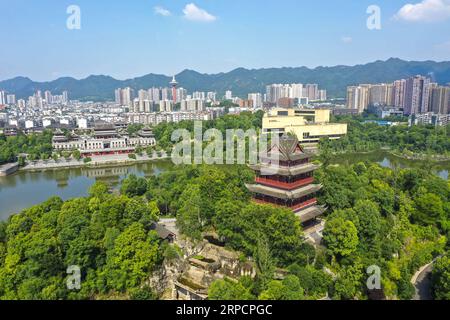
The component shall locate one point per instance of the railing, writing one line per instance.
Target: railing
(294, 208)
(305, 204)
(285, 185)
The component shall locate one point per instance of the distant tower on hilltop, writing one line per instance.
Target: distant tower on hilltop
(174, 85)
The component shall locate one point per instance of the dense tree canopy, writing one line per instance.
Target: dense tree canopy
(371, 136)
(246, 120)
(400, 219)
(36, 146)
(441, 279)
(107, 236)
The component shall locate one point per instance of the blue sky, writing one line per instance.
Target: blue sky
(131, 38)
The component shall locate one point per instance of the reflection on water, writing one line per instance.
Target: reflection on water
(390, 161)
(25, 189)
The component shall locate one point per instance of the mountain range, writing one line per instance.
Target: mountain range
(241, 81)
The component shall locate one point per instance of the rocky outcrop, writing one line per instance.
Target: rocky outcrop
(190, 276)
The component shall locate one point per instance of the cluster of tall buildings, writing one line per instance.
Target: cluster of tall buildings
(308, 92)
(126, 96)
(415, 95)
(39, 99)
(163, 99)
(157, 105)
(6, 98)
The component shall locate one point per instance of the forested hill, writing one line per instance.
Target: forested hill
(241, 81)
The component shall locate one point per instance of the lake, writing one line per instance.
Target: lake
(386, 159)
(24, 189)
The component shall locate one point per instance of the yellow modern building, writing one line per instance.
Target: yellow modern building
(309, 125)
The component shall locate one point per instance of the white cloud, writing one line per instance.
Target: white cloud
(162, 11)
(425, 11)
(347, 39)
(194, 13)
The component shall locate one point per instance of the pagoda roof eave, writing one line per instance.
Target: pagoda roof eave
(310, 213)
(284, 194)
(282, 157)
(284, 171)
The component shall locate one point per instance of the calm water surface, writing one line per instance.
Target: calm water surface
(24, 189)
(386, 159)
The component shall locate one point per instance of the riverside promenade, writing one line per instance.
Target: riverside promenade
(8, 169)
(96, 161)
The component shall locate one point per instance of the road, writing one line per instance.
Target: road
(422, 282)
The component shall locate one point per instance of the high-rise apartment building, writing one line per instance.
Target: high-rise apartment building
(165, 106)
(181, 94)
(417, 96)
(199, 95)
(2, 97)
(440, 100)
(11, 99)
(154, 95)
(312, 92)
(48, 97)
(165, 94)
(358, 97)
(322, 95)
(143, 95)
(65, 97)
(381, 94)
(124, 97)
(399, 93)
(275, 92)
(257, 99)
(21, 104)
(297, 91)
(192, 105)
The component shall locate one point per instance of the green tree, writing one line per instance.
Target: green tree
(133, 186)
(368, 224)
(288, 289)
(190, 218)
(265, 265)
(441, 279)
(348, 283)
(98, 190)
(131, 259)
(429, 210)
(228, 290)
(21, 161)
(76, 154)
(340, 236)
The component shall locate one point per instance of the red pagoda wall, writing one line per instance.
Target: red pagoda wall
(285, 185)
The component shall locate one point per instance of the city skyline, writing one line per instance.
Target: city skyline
(166, 38)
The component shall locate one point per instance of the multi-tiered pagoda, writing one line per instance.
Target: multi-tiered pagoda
(285, 177)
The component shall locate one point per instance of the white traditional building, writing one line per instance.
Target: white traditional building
(104, 141)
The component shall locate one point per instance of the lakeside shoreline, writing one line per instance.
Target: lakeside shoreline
(414, 157)
(96, 164)
(129, 162)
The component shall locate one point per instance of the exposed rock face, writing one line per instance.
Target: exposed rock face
(189, 277)
(162, 280)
